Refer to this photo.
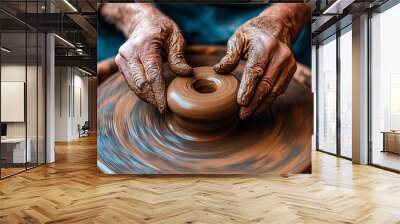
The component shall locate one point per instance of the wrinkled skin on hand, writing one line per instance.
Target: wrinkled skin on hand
(140, 58)
(264, 42)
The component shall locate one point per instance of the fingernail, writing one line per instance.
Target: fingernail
(215, 67)
(244, 113)
(241, 101)
(242, 98)
(161, 104)
(162, 109)
(184, 69)
(188, 70)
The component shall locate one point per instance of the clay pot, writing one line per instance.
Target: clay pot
(204, 106)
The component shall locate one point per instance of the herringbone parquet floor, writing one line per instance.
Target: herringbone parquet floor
(71, 191)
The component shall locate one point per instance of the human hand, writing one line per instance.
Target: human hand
(265, 42)
(140, 58)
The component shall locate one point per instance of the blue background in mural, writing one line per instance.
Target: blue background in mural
(204, 24)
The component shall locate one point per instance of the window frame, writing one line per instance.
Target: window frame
(335, 36)
(381, 9)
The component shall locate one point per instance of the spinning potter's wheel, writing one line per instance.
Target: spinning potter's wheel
(133, 138)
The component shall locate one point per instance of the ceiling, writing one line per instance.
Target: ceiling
(74, 22)
(333, 15)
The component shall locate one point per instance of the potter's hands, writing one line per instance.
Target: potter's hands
(270, 63)
(151, 35)
(265, 41)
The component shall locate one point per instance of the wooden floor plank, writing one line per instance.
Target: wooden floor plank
(72, 191)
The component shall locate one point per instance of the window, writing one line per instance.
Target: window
(326, 79)
(22, 101)
(385, 89)
(346, 92)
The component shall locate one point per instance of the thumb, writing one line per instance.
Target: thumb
(176, 56)
(233, 54)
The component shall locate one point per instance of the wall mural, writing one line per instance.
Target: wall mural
(204, 89)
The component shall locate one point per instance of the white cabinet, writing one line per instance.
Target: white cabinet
(19, 155)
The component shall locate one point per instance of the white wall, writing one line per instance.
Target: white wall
(61, 103)
(70, 83)
(12, 73)
(13, 101)
(80, 85)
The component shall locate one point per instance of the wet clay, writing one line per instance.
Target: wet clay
(134, 138)
(204, 106)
